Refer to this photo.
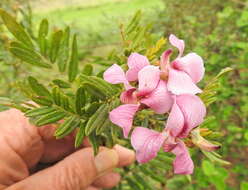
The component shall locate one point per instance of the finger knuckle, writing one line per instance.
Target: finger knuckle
(67, 178)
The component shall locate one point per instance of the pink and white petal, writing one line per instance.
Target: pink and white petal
(178, 43)
(160, 100)
(115, 75)
(165, 60)
(180, 82)
(193, 110)
(193, 65)
(175, 122)
(169, 144)
(136, 62)
(147, 143)
(149, 78)
(183, 163)
(123, 117)
(129, 96)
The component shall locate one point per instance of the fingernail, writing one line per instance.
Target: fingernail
(106, 160)
(126, 156)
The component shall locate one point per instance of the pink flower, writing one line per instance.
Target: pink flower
(123, 116)
(116, 75)
(151, 90)
(187, 112)
(172, 87)
(147, 144)
(135, 62)
(184, 72)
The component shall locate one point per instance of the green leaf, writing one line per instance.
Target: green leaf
(94, 91)
(100, 85)
(41, 100)
(28, 55)
(151, 174)
(16, 29)
(55, 45)
(73, 64)
(39, 111)
(107, 123)
(244, 185)
(43, 29)
(61, 83)
(91, 108)
(80, 135)
(134, 22)
(97, 119)
(212, 156)
(24, 87)
(208, 168)
(208, 94)
(139, 36)
(100, 129)
(51, 117)
(43, 32)
(64, 50)
(94, 142)
(109, 141)
(87, 69)
(142, 181)
(224, 71)
(19, 107)
(56, 96)
(80, 100)
(164, 157)
(134, 184)
(67, 127)
(65, 102)
(38, 88)
(60, 98)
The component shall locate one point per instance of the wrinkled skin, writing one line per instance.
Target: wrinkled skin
(24, 147)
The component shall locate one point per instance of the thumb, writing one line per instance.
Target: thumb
(76, 172)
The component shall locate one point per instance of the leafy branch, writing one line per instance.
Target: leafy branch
(83, 101)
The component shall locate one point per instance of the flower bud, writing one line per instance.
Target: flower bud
(202, 143)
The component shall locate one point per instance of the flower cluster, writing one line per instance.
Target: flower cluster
(168, 88)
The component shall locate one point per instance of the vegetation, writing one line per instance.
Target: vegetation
(217, 30)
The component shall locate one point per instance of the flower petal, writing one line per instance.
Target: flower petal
(180, 82)
(129, 96)
(169, 144)
(183, 163)
(193, 65)
(178, 43)
(193, 110)
(165, 60)
(116, 75)
(175, 121)
(123, 117)
(136, 62)
(160, 99)
(149, 77)
(147, 143)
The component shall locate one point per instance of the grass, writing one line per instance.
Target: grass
(96, 21)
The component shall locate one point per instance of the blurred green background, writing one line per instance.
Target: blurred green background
(216, 29)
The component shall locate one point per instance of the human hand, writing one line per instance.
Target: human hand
(23, 146)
